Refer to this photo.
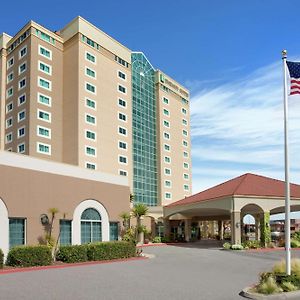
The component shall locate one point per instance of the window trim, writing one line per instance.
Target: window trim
(7, 80)
(50, 51)
(94, 63)
(25, 47)
(166, 173)
(91, 163)
(89, 76)
(19, 104)
(120, 85)
(45, 128)
(50, 99)
(121, 170)
(9, 134)
(167, 146)
(38, 148)
(169, 193)
(126, 134)
(20, 136)
(12, 122)
(23, 110)
(13, 62)
(93, 124)
(49, 66)
(87, 154)
(19, 146)
(85, 87)
(123, 149)
(88, 130)
(12, 89)
(49, 113)
(165, 125)
(168, 186)
(124, 79)
(126, 117)
(24, 86)
(19, 67)
(50, 83)
(123, 163)
(170, 162)
(93, 108)
(124, 107)
(6, 107)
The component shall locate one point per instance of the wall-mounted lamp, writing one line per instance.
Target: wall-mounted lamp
(44, 219)
(237, 224)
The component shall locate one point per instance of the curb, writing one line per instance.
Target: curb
(281, 296)
(69, 265)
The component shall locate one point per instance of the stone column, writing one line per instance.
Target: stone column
(167, 228)
(187, 230)
(257, 227)
(235, 227)
(265, 230)
(221, 229)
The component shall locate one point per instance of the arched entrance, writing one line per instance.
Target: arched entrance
(4, 231)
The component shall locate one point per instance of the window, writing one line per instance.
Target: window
(184, 121)
(184, 111)
(122, 159)
(168, 183)
(8, 138)
(90, 72)
(21, 132)
(16, 232)
(122, 117)
(9, 107)
(184, 132)
(166, 112)
(166, 124)
(44, 132)
(113, 231)
(10, 63)
(90, 119)
(186, 165)
(46, 100)
(10, 77)
(121, 61)
(90, 166)
(45, 52)
(168, 196)
(90, 151)
(185, 154)
(23, 52)
(91, 227)
(21, 148)
(43, 115)
(167, 171)
(90, 103)
(45, 68)
(122, 145)
(44, 36)
(9, 122)
(166, 135)
(90, 42)
(122, 89)
(9, 92)
(43, 148)
(22, 99)
(122, 173)
(122, 103)
(90, 135)
(65, 229)
(165, 100)
(167, 147)
(90, 88)
(184, 143)
(185, 187)
(122, 75)
(22, 68)
(21, 115)
(186, 176)
(90, 57)
(122, 131)
(44, 83)
(22, 83)
(167, 159)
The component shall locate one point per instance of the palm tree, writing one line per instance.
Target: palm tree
(139, 210)
(126, 219)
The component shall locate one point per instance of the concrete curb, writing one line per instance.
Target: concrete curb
(281, 296)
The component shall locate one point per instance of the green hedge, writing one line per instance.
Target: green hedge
(1, 259)
(28, 256)
(96, 251)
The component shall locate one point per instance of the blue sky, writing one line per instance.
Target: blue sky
(226, 52)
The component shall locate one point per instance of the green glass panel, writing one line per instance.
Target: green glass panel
(16, 232)
(65, 232)
(113, 231)
(86, 232)
(91, 214)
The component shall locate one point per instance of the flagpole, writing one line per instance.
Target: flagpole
(286, 163)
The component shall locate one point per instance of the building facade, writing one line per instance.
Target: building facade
(78, 96)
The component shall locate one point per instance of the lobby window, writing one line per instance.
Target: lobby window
(45, 52)
(16, 232)
(22, 68)
(168, 196)
(90, 151)
(167, 124)
(43, 99)
(113, 231)
(167, 147)
(90, 57)
(21, 148)
(21, 132)
(90, 72)
(10, 63)
(44, 132)
(122, 145)
(90, 135)
(168, 183)
(122, 89)
(21, 115)
(65, 227)
(9, 107)
(122, 75)
(23, 52)
(166, 135)
(166, 112)
(90, 103)
(122, 117)
(122, 173)
(9, 122)
(165, 100)
(8, 138)
(122, 159)
(90, 119)
(22, 83)
(90, 88)
(44, 148)
(10, 77)
(122, 131)
(122, 102)
(167, 171)
(90, 166)
(44, 83)
(45, 68)
(43, 115)
(22, 99)
(9, 92)
(91, 227)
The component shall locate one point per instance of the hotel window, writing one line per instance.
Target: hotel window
(23, 52)
(21, 148)
(186, 165)
(122, 173)
(44, 132)
(21, 132)
(185, 187)
(165, 100)
(167, 171)
(90, 42)
(9, 92)
(45, 68)
(90, 88)
(168, 183)
(90, 135)
(168, 196)
(45, 52)
(122, 102)
(8, 138)
(9, 107)
(10, 77)
(22, 99)
(16, 232)
(22, 83)
(43, 148)
(122, 131)
(166, 135)
(65, 229)
(91, 226)
(90, 166)
(44, 83)
(22, 68)
(90, 57)
(90, 119)
(184, 121)
(184, 111)
(21, 115)
(90, 151)
(166, 112)
(90, 72)
(167, 147)
(122, 89)
(10, 63)
(185, 154)
(122, 159)
(90, 103)
(9, 122)
(44, 36)
(167, 159)
(122, 145)
(122, 75)
(186, 176)
(46, 100)
(113, 231)
(43, 115)
(185, 143)
(122, 117)
(121, 61)
(166, 124)
(184, 132)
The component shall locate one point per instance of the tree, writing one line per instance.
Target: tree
(139, 210)
(126, 220)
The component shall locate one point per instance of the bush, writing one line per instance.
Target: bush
(237, 247)
(288, 287)
(1, 259)
(156, 240)
(130, 236)
(269, 286)
(72, 253)
(280, 267)
(296, 235)
(28, 256)
(227, 246)
(165, 239)
(295, 243)
(251, 244)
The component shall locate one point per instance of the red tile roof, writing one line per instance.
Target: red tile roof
(244, 185)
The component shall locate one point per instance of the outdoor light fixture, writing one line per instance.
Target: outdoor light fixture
(237, 224)
(44, 219)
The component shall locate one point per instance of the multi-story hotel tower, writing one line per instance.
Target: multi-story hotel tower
(80, 97)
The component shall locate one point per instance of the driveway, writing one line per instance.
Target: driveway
(176, 272)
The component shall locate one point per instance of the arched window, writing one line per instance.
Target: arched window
(90, 226)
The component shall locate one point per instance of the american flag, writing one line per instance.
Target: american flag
(294, 69)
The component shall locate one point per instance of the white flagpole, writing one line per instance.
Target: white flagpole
(286, 161)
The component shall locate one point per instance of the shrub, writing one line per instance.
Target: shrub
(271, 245)
(227, 246)
(28, 256)
(252, 244)
(72, 253)
(165, 239)
(288, 287)
(110, 250)
(156, 239)
(237, 247)
(130, 236)
(280, 267)
(296, 235)
(1, 259)
(269, 286)
(295, 243)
